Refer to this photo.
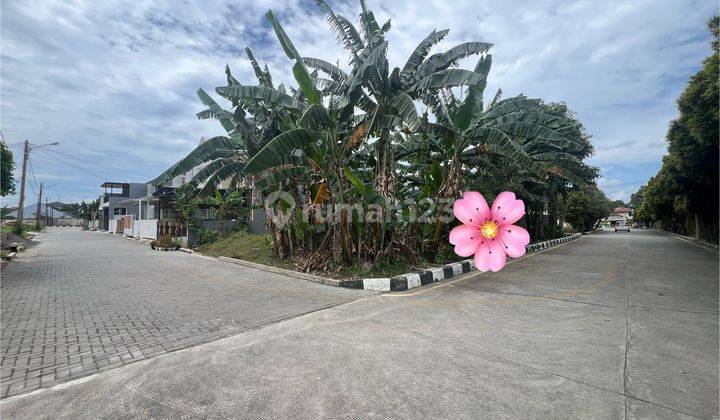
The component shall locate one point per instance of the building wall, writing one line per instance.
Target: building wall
(135, 190)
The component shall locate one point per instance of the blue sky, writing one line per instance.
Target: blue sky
(115, 82)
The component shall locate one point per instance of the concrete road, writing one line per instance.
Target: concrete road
(615, 325)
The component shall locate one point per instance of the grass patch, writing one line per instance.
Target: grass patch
(245, 246)
(259, 249)
(11, 229)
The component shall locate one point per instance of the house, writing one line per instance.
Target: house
(114, 193)
(619, 214)
(151, 214)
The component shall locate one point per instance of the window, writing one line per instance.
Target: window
(119, 211)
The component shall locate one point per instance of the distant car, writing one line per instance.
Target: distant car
(622, 226)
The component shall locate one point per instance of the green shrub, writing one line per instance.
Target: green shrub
(553, 232)
(206, 236)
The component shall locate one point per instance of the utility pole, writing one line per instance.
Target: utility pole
(39, 208)
(26, 154)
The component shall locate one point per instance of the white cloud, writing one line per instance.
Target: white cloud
(116, 84)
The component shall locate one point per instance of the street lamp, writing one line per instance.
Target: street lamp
(26, 154)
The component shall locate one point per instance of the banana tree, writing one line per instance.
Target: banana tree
(387, 97)
(470, 140)
(253, 122)
(226, 206)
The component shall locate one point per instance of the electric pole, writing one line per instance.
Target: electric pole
(39, 208)
(26, 154)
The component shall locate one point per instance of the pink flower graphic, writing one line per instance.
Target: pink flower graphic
(488, 232)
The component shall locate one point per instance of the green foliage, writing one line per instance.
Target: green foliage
(355, 137)
(245, 246)
(4, 213)
(226, 206)
(585, 208)
(206, 236)
(7, 166)
(553, 232)
(185, 205)
(683, 196)
(82, 210)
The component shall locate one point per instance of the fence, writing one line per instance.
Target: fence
(145, 229)
(66, 222)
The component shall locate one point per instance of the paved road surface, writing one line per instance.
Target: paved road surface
(84, 302)
(615, 325)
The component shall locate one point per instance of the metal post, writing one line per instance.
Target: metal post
(26, 154)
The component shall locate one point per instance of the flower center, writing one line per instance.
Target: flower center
(489, 229)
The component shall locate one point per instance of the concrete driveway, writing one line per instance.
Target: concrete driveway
(615, 325)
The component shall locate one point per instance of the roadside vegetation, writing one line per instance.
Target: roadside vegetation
(683, 196)
(7, 166)
(245, 246)
(378, 138)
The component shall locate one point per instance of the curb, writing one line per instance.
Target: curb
(702, 244)
(290, 273)
(412, 280)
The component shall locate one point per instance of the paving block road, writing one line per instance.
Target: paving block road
(84, 302)
(615, 325)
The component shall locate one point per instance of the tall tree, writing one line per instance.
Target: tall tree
(7, 166)
(684, 194)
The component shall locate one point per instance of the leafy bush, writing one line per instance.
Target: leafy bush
(206, 236)
(165, 241)
(553, 232)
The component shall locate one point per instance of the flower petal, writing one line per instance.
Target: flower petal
(514, 239)
(506, 209)
(472, 208)
(477, 201)
(466, 239)
(482, 257)
(490, 255)
(497, 255)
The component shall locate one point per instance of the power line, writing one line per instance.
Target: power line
(91, 171)
(113, 169)
(32, 173)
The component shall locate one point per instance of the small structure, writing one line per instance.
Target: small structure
(619, 214)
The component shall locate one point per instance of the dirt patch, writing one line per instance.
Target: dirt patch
(10, 241)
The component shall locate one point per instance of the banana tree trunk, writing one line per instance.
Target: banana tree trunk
(385, 169)
(449, 189)
(450, 186)
(384, 183)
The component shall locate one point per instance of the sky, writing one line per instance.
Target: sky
(115, 82)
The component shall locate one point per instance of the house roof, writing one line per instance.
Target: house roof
(133, 201)
(113, 184)
(621, 210)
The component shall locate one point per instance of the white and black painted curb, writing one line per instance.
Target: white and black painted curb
(412, 280)
(698, 242)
